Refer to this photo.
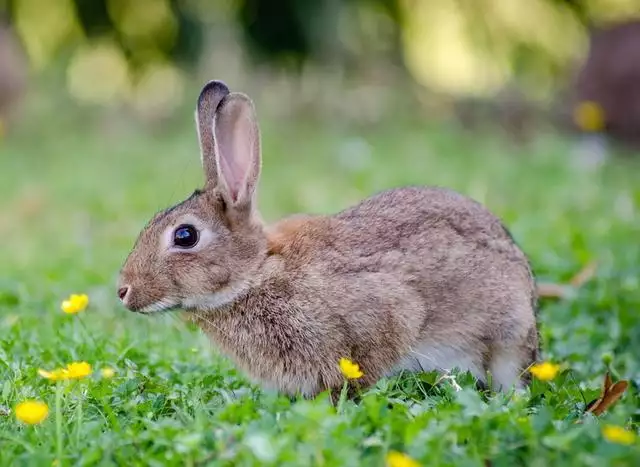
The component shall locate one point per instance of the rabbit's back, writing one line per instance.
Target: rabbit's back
(471, 285)
(447, 247)
(408, 218)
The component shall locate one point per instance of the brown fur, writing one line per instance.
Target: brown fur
(406, 270)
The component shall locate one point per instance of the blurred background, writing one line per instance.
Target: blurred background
(565, 65)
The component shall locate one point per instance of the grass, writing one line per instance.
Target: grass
(72, 203)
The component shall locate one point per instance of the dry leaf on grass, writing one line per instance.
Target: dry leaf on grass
(553, 290)
(584, 276)
(610, 394)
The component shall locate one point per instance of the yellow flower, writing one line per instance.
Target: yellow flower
(31, 412)
(618, 435)
(545, 371)
(75, 303)
(107, 372)
(399, 459)
(76, 370)
(350, 369)
(589, 116)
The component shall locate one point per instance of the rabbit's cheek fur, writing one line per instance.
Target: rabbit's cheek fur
(204, 286)
(218, 274)
(198, 274)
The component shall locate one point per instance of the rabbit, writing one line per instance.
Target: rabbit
(410, 279)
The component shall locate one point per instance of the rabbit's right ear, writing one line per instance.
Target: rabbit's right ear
(237, 140)
(210, 97)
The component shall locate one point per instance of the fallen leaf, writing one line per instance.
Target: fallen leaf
(554, 290)
(611, 393)
(584, 275)
(551, 290)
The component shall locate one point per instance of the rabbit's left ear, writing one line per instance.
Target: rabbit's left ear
(237, 141)
(210, 97)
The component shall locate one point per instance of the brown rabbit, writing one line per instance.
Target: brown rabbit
(412, 278)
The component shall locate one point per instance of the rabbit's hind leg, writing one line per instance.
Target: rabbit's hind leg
(508, 367)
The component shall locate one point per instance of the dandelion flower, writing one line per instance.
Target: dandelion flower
(545, 371)
(31, 412)
(75, 370)
(107, 372)
(75, 304)
(399, 459)
(350, 369)
(78, 370)
(618, 435)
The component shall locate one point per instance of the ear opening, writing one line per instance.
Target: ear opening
(210, 97)
(237, 141)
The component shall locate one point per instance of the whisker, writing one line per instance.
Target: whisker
(428, 357)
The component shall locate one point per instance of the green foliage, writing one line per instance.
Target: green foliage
(71, 204)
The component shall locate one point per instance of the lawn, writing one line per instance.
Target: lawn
(73, 198)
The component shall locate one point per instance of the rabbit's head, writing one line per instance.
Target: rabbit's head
(203, 252)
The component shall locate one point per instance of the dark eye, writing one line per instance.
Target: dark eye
(185, 236)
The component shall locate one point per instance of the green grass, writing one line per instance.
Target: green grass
(72, 203)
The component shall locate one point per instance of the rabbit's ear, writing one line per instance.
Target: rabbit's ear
(210, 97)
(237, 139)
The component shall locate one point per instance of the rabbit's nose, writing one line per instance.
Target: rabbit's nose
(122, 292)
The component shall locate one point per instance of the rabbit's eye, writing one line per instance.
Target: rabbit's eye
(185, 236)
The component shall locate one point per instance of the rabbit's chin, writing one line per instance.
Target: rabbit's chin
(166, 304)
(216, 300)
